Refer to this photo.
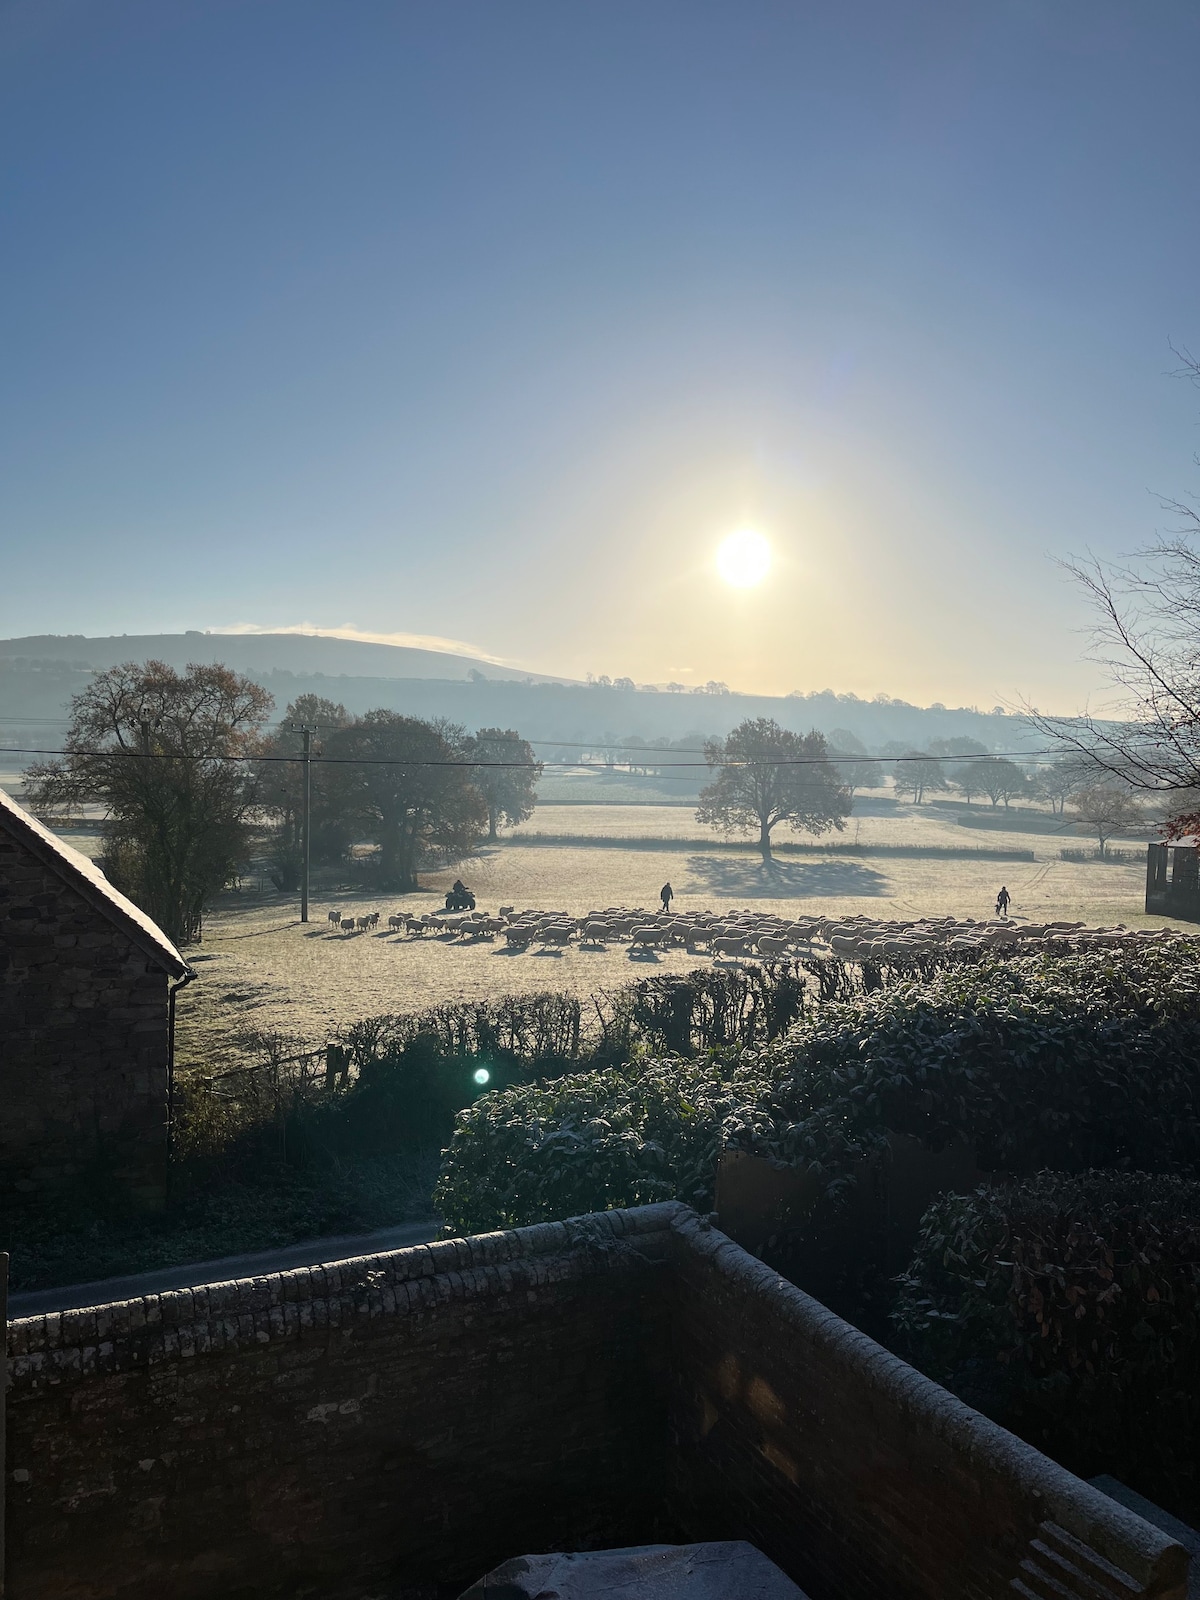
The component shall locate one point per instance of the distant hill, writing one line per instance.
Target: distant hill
(256, 653)
(38, 675)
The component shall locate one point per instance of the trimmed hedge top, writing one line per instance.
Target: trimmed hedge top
(1046, 1060)
(1089, 1060)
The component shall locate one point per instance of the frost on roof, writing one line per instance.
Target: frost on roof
(88, 878)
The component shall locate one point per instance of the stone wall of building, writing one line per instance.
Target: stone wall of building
(397, 1423)
(83, 1039)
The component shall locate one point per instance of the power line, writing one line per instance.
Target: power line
(588, 766)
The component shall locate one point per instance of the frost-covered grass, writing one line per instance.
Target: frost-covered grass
(260, 969)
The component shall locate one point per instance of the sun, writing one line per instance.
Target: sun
(744, 558)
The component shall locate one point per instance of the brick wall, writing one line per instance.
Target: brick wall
(415, 1418)
(855, 1473)
(83, 1025)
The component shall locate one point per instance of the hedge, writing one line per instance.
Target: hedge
(1069, 1306)
(625, 1136)
(1073, 1062)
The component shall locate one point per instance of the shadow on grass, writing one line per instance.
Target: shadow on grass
(783, 880)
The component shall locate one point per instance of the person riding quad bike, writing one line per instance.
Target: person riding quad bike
(460, 897)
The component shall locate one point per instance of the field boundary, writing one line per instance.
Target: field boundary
(591, 841)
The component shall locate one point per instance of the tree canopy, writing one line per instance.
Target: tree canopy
(408, 785)
(1107, 811)
(1000, 779)
(164, 753)
(918, 773)
(281, 788)
(766, 775)
(506, 777)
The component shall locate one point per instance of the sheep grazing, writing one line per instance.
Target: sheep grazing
(335, 919)
(728, 946)
(396, 921)
(594, 933)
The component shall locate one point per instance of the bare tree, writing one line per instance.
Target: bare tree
(1146, 636)
(165, 754)
(1059, 779)
(851, 765)
(1000, 779)
(1107, 811)
(918, 773)
(766, 775)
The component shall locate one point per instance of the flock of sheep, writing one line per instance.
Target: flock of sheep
(735, 934)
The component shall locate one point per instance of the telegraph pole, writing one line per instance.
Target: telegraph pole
(306, 823)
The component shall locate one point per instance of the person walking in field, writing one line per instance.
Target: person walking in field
(1002, 901)
(666, 894)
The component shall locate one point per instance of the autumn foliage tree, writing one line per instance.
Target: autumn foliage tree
(164, 753)
(767, 775)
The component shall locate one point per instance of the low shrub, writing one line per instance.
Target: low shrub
(624, 1136)
(1069, 1307)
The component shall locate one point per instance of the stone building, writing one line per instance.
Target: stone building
(84, 1001)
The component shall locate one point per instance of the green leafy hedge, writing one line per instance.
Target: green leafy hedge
(1070, 1062)
(1069, 1306)
(626, 1136)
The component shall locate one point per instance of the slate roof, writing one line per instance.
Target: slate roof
(85, 877)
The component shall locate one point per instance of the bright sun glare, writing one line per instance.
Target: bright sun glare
(744, 558)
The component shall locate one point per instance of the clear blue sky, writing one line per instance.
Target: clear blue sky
(486, 321)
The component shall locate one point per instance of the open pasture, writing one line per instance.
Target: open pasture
(262, 970)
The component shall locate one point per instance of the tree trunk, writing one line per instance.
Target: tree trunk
(492, 836)
(764, 840)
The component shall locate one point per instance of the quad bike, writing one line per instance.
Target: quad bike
(460, 902)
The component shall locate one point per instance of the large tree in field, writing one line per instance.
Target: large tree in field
(849, 754)
(408, 786)
(163, 752)
(918, 773)
(506, 775)
(766, 775)
(1107, 811)
(281, 787)
(1000, 779)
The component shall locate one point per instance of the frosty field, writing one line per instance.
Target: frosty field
(261, 969)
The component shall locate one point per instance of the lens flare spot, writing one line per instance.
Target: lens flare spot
(483, 1076)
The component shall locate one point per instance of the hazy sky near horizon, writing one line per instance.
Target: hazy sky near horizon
(487, 321)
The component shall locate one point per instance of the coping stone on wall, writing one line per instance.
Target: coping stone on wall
(1109, 1528)
(181, 1323)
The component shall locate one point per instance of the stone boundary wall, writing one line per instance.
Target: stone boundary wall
(398, 1421)
(858, 1475)
(391, 1420)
